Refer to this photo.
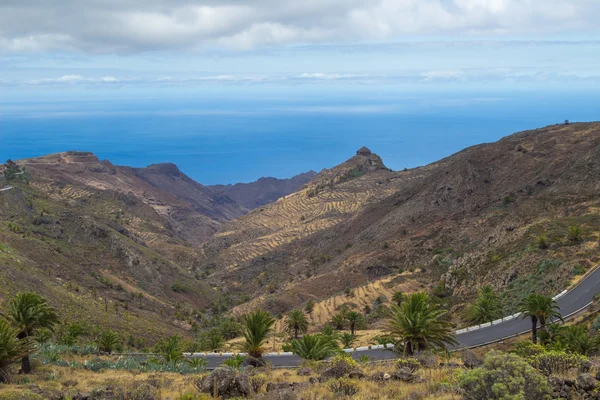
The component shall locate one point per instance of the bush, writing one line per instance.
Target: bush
(575, 233)
(411, 363)
(170, 348)
(257, 382)
(506, 377)
(343, 387)
(553, 361)
(234, 362)
(578, 270)
(542, 241)
(528, 349)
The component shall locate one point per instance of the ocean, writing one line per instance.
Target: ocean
(229, 138)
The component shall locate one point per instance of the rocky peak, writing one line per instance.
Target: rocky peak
(363, 151)
(169, 169)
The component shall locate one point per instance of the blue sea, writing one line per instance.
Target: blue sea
(227, 138)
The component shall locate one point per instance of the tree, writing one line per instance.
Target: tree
(29, 312)
(313, 347)
(486, 308)
(257, 325)
(170, 348)
(398, 297)
(108, 341)
(576, 339)
(355, 320)
(540, 309)
(347, 340)
(419, 324)
(296, 322)
(309, 307)
(338, 321)
(11, 348)
(11, 170)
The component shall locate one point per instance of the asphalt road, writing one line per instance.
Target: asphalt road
(573, 301)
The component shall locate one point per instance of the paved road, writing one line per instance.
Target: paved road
(575, 300)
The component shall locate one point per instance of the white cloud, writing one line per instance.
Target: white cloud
(145, 25)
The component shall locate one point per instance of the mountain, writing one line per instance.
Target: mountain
(263, 191)
(471, 219)
(149, 252)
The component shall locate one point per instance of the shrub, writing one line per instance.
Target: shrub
(578, 270)
(554, 361)
(575, 233)
(411, 363)
(542, 241)
(257, 382)
(528, 349)
(197, 364)
(342, 387)
(234, 362)
(503, 376)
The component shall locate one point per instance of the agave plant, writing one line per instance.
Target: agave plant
(314, 347)
(29, 312)
(418, 324)
(257, 326)
(11, 348)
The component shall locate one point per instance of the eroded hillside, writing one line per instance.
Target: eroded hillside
(470, 219)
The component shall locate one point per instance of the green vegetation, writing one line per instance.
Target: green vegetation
(11, 348)
(504, 377)
(540, 309)
(542, 241)
(296, 322)
(575, 234)
(419, 324)
(314, 347)
(29, 312)
(109, 341)
(486, 308)
(355, 321)
(257, 326)
(171, 349)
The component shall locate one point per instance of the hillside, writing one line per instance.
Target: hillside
(453, 226)
(263, 191)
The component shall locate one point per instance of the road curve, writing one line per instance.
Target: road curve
(572, 302)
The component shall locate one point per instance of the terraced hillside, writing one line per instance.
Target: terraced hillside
(470, 219)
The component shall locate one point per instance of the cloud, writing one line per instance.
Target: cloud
(132, 26)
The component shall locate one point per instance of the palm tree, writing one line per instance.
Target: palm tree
(347, 339)
(108, 341)
(486, 308)
(29, 312)
(338, 321)
(540, 309)
(296, 322)
(11, 348)
(313, 347)
(398, 297)
(355, 319)
(418, 324)
(257, 325)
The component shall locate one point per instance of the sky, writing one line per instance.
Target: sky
(174, 44)
(208, 84)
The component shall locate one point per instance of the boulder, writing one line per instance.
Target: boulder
(406, 375)
(226, 383)
(380, 376)
(586, 381)
(304, 371)
(253, 361)
(356, 374)
(470, 360)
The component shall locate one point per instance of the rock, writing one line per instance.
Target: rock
(278, 395)
(313, 380)
(470, 360)
(253, 361)
(406, 375)
(304, 371)
(363, 151)
(585, 366)
(380, 376)
(356, 374)
(294, 386)
(586, 381)
(225, 382)
(336, 370)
